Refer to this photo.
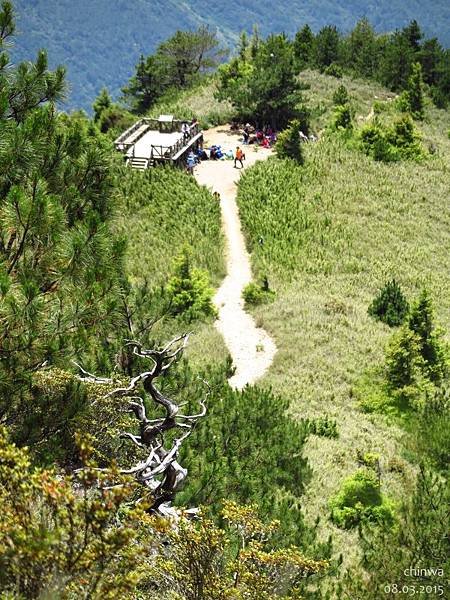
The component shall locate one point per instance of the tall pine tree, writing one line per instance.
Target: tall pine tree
(59, 264)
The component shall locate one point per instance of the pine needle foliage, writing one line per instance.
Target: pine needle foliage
(59, 264)
(360, 499)
(289, 143)
(189, 291)
(390, 305)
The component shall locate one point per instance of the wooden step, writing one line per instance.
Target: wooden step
(138, 163)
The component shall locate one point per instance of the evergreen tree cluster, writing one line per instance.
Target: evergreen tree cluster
(387, 58)
(176, 65)
(60, 266)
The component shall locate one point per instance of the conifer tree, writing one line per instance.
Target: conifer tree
(59, 265)
(362, 49)
(101, 103)
(415, 93)
(303, 46)
(326, 47)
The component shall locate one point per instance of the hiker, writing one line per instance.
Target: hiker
(212, 153)
(190, 163)
(201, 154)
(246, 135)
(239, 156)
(185, 130)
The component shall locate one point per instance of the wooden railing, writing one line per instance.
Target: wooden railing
(121, 142)
(159, 152)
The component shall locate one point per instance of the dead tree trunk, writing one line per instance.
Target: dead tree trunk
(159, 471)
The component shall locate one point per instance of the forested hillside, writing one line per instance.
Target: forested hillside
(101, 41)
(131, 466)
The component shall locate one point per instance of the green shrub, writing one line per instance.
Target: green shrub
(375, 144)
(342, 118)
(417, 359)
(189, 289)
(432, 349)
(360, 499)
(403, 361)
(401, 141)
(255, 294)
(341, 96)
(323, 427)
(390, 305)
(334, 70)
(415, 92)
(289, 143)
(370, 460)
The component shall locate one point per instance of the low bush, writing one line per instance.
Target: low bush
(390, 305)
(323, 427)
(342, 118)
(388, 144)
(189, 290)
(360, 499)
(255, 294)
(289, 143)
(334, 70)
(341, 96)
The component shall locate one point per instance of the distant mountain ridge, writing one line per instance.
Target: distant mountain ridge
(100, 41)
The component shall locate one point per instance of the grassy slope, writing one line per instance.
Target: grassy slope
(357, 223)
(198, 102)
(163, 209)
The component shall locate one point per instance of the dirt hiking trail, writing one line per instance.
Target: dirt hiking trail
(251, 348)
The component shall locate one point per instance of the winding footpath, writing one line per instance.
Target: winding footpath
(251, 348)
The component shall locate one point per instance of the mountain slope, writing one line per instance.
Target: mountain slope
(100, 41)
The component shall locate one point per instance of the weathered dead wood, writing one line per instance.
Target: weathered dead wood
(159, 471)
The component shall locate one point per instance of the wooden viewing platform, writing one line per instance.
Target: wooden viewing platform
(158, 141)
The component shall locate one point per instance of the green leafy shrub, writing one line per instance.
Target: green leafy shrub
(433, 350)
(341, 96)
(404, 137)
(360, 499)
(390, 305)
(368, 459)
(403, 361)
(342, 118)
(255, 294)
(334, 70)
(417, 359)
(387, 144)
(323, 427)
(289, 144)
(189, 290)
(412, 99)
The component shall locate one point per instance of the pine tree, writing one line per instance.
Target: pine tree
(303, 46)
(395, 66)
(59, 264)
(289, 143)
(362, 49)
(147, 84)
(101, 103)
(431, 346)
(326, 47)
(414, 92)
